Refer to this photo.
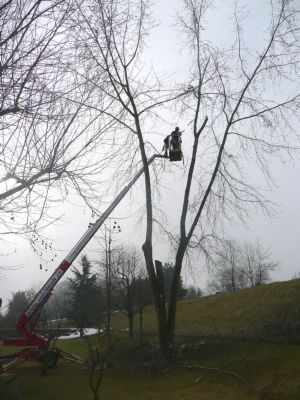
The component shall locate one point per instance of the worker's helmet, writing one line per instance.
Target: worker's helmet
(177, 128)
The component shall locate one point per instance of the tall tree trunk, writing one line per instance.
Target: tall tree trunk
(173, 297)
(155, 274)
(141, 323)
(160, 307)
(130, 326)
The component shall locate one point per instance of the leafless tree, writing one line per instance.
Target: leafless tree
(98, 355)
(227, 271)
(108, 265)
(126, 284)
(238, 267)
(226, 100)
(111, 36)
(28, 29)
(144, 298)
(257, 264)
(49, 147)
(233, 120)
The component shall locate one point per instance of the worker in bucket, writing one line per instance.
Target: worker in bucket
(172, 141)
(176, 139)
(166, 145)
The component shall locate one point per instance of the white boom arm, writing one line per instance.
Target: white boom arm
(42, 296)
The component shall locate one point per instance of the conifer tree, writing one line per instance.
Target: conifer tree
(83, 291)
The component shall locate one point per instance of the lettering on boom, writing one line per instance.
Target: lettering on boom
(44, 292)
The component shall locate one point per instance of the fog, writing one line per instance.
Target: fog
(280, 233)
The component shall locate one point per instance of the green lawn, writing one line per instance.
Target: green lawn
(264, 370)
(258, 365)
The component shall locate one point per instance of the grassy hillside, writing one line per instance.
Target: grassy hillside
(228, 369)
(265, 312)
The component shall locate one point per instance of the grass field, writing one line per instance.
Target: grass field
(267, 371)
(263, 312)
(230, 369)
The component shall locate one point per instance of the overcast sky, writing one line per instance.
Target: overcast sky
(280, 234)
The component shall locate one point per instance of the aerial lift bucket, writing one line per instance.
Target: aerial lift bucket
(175, 155)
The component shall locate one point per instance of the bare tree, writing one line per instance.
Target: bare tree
(226, 101)
(232, 116)
(238, 267)
(108, 264)
(127, 284)
(25, 45)
(144, 298)
(112, 36)
(227, 271)
(257, 264)
(49, 148)
(98, 354)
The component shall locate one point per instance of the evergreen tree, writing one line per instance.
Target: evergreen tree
(83, 291)
(168, 270)
(16, 307)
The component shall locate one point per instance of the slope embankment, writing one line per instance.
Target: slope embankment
(266, 312)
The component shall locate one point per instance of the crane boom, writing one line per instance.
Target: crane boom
(30, 338)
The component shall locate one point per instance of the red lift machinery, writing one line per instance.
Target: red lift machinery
(35, 345)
